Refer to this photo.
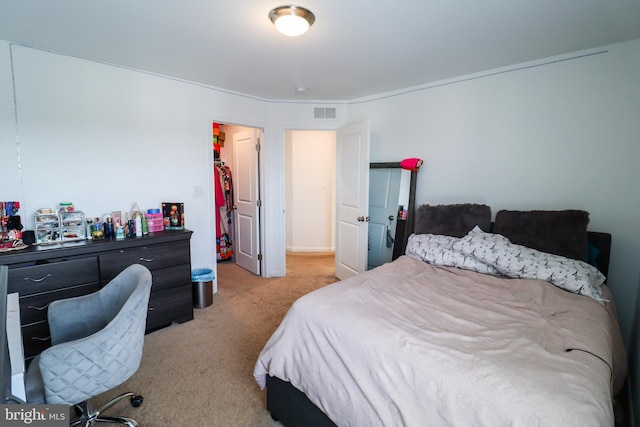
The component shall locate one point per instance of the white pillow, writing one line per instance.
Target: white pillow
(438, 250)
(522, 262)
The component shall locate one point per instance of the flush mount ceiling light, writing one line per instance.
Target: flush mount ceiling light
(292, 20)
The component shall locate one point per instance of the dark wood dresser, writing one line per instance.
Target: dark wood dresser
(44, 274)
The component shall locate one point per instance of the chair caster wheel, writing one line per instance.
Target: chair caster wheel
(136, 401)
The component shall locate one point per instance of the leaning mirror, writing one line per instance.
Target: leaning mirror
(392, 192)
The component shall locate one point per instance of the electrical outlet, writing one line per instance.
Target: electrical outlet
(198, 191)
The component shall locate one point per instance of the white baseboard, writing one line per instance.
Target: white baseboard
(299, 249)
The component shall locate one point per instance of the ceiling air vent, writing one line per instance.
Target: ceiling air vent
(324, 113)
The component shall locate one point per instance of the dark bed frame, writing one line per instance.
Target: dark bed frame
(292, 408)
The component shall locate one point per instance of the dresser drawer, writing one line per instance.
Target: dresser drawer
(52, 276)
(153, 257)
(174, 305)
(35, 339)
(172, 277)
(34, 308)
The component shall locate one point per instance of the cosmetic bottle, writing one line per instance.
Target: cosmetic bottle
(109, 232)
(145, 227)
(138, 225)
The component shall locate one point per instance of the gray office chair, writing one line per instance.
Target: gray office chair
(97, 344)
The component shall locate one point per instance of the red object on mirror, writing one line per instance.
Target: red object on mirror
(411, 164)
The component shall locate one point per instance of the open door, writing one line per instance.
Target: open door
(247, 202)
(352, 199)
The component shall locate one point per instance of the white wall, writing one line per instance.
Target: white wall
(10, 187)
(309, 183)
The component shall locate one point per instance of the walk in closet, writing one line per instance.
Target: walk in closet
(223, 188)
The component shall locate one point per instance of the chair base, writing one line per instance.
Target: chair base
(89, 416)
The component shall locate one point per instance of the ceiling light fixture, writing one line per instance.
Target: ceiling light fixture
(292, 20)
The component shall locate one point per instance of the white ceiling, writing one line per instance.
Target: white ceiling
(356, 48)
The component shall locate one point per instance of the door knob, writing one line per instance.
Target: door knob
(391, 217)
(363, 219)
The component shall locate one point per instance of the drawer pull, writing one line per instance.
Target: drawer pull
(146, 259)
(38, 308)
(41, 339)
(38, 280)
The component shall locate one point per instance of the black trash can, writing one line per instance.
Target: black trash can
(202, 286)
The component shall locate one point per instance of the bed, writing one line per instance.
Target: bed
(480, 323)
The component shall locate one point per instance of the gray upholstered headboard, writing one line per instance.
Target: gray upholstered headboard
(562, 232)
(452, 220)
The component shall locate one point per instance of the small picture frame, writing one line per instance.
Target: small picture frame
(173, 215)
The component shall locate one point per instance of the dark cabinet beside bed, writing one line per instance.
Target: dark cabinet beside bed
(44, 274)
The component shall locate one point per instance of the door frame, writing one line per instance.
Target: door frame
(261, 183)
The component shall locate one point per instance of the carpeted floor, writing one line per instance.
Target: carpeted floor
(200, 373)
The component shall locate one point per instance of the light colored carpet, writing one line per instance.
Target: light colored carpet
(200, 373)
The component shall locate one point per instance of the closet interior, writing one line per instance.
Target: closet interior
(223, 188)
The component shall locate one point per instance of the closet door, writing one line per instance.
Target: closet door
(247, 200)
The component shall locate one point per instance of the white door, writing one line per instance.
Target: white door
(352, 199)
(246, 196)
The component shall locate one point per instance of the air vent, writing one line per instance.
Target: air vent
(324, 113)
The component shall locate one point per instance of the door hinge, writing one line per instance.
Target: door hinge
(259, 257)
(258, 146)
(259, 203)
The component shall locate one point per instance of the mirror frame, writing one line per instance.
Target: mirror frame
(404, 228)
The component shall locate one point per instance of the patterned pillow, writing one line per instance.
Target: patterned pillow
(438, 250)
(522, 262)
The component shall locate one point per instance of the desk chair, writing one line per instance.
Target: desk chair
(97, 344)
